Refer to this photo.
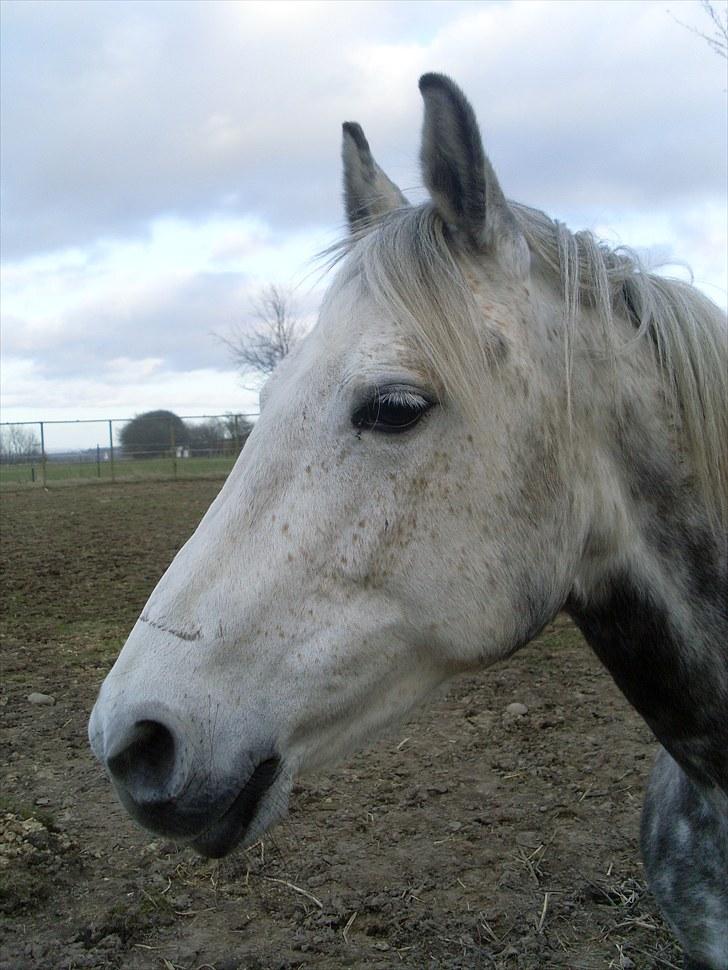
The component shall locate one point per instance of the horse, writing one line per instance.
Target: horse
(493, 420)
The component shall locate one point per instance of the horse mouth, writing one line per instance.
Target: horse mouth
(239, 821)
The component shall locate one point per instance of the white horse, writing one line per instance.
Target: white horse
(493, 420)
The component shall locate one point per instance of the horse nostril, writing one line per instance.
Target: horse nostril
(144, 760)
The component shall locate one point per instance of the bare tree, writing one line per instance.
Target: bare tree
(717, 38)
(219, 436)
(18, 444)
(259, 349)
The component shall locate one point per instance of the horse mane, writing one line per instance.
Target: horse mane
(408, 263)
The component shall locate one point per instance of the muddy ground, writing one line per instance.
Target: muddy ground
(465, 838)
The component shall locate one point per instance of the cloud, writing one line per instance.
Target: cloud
(117, 114)
(172, 319)
(126, 388)
(170, 296)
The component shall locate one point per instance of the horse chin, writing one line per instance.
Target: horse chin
(261, 802)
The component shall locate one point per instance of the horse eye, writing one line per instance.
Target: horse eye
(391, 412)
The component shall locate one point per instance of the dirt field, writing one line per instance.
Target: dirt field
(466, 838)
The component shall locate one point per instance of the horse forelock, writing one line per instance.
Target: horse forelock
(411, 266)
(408, 266)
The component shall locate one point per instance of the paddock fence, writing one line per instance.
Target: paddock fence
(89, 450)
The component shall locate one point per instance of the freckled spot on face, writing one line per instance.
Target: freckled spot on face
(284, 528)
(362, 523)
(308, 469)
(290, 557)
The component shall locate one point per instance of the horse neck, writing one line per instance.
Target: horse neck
(651, 594)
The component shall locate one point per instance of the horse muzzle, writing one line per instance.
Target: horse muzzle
(169, 781)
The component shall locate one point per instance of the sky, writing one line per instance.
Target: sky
(161, 162)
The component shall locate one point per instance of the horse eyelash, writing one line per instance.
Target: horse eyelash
(402, 398)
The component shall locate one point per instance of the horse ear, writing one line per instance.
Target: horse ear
(368, 192)
(461, 179)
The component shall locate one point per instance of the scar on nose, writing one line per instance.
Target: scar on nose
(166, 629)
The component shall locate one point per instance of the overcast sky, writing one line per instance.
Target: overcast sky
(162, 161)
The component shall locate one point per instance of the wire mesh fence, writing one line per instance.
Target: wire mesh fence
(157, 445)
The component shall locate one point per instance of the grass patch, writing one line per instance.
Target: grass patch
(88, 472)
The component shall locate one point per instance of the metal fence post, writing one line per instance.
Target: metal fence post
(111, 448)
(173, 447)
(42, 454)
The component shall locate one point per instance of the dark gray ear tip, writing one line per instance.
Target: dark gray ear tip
(437, 82)
(354, 130)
